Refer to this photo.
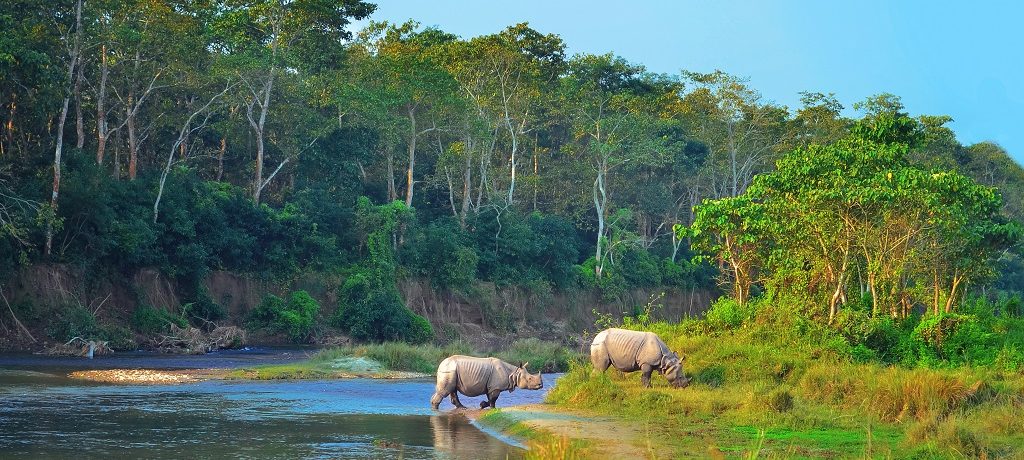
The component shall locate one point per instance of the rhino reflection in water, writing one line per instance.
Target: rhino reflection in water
(457, 438)
(630, 351)
(480, 376)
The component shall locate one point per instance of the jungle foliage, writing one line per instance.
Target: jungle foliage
(269, 138)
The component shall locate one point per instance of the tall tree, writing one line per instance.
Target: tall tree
(73, 42)
(268, 39)
(614, 119)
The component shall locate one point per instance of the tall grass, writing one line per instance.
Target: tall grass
(807, 399)
(397, 356)
(400, 356)
(542, 356)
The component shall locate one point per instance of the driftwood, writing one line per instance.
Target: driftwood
(79, 347)
(193, 341)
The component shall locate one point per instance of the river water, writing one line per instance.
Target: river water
(45, 414)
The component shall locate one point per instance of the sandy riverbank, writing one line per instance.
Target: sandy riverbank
(608, 436)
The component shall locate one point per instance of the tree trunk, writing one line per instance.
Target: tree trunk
(56, 174)
(957, 279)
(392, 191)
(409, 182)
(79, 121)
(133, 138)
(220, 157)
(467, 184)
(536, 173)
(258, 125)
(101, 110)
(600, 205)
(58, 150)
(258, 174)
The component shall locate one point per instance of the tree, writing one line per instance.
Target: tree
(858, 206)
(743, 133)
(268, 39)
(613, 115)
(411, 96)
(73, 41)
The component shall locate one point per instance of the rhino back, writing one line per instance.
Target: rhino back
(624, 347)
(653, 350)
(478, 375)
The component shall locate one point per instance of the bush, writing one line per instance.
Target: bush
(727, 313)
(119, 338)
(148, 320)
(956, 339)
(543, 356)
(639, 268)
(74, 322)
(443, 253)
(381, 316)
(420, 330)
(294, 318)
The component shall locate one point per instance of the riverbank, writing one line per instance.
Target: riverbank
(757, 394)
(402, 360)
(373, 361)
(553, 432)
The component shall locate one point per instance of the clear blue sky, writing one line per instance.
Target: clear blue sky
(963, 59)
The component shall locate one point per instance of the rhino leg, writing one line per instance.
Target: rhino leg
(600, 359)
(492, 398)
(647, 369)
(455, 400)
(435, 401)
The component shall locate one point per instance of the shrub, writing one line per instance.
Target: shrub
(639, 268)
(543, 356)
(294, 318)
(119, 338)
(73, 322)
(380, 316)
(954, 338)
(420, 330)
(148, 320)
(727, 313)
(443, 253)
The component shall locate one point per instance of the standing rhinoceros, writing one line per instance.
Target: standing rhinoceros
(477, 376)
(630, 351)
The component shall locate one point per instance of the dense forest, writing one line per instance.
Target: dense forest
(270, 138)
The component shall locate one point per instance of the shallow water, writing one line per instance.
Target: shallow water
(45, 414)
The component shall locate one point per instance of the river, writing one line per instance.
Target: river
(45, 414)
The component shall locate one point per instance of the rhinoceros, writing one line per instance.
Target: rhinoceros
(630, 351)
(477, 376)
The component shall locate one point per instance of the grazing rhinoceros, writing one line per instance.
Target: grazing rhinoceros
(630, 351)
(477, 376)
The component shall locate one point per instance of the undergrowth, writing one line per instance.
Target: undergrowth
(797, 389)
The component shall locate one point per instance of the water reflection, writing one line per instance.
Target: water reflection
(457, 438)
(46, 416)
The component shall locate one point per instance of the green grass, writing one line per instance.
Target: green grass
(756, 395)
(379, 359)
(542, 445)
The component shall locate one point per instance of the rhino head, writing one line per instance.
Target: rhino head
(672, 368)
(522, 378)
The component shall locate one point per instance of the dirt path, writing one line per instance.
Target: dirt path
(610, 437)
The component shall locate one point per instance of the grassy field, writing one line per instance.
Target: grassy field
(390, 359)
(758, 395)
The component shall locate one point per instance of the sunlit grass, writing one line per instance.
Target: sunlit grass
(380, 359)
(775, 399)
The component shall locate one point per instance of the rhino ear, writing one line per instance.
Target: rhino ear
(524, 365)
